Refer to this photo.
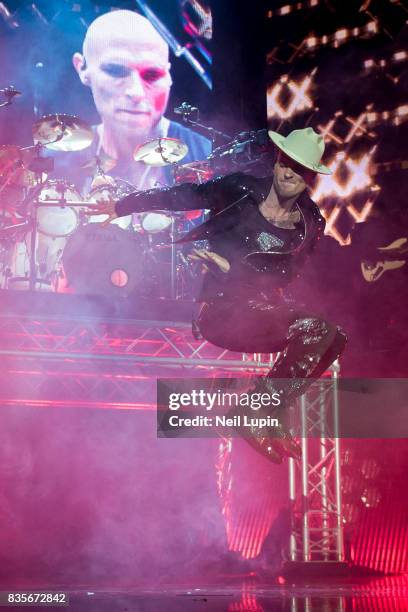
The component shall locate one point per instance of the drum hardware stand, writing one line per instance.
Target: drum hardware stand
(174, 256)
(173, 259)
(33, 244)
(186, 111)
(40, 165)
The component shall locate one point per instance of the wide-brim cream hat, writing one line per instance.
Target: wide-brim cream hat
(303, 146)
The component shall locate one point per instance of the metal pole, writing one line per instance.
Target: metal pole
(305, 482)
(323, 442)
(173, 262)
(33, 244)
(292, 502)
(339, 531)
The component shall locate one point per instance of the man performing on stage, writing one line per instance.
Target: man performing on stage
(260, 232)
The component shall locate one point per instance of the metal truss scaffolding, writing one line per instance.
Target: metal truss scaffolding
(102, 363)
(314, 481)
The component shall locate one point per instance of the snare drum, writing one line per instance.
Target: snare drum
(57, 221)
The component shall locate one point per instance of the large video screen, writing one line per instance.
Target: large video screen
(98, 102)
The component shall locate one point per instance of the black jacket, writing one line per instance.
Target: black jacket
(227, 198)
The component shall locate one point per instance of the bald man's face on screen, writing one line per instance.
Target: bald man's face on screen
(125, 63)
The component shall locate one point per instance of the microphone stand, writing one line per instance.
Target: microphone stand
(186, 110)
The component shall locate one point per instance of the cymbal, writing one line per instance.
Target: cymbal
(161, 152)
(61, 132)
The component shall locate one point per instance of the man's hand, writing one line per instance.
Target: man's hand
(102, 207)
(209, 257)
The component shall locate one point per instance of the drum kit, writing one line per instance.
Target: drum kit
(48, 240)
(48, 243)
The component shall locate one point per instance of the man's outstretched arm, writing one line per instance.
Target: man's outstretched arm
(214, 195)
(188, 196)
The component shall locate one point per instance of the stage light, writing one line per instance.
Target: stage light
(299, 97)
(356, 172)
(285, 10)
(341, 36)
(401, 113)
(311, 41)
(395, 58)
(361, 215)
(397, 116)
(351, 176)
(360, 126)
(399, 56)
(372, 27)
(288, 8)
(331, 229)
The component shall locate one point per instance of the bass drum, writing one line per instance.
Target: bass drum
(104, 261)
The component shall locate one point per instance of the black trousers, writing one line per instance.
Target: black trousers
(307, 344)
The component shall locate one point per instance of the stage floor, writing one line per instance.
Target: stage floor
(249, 594)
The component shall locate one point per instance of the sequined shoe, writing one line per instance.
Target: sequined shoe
(275, 446)
(274, 443)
